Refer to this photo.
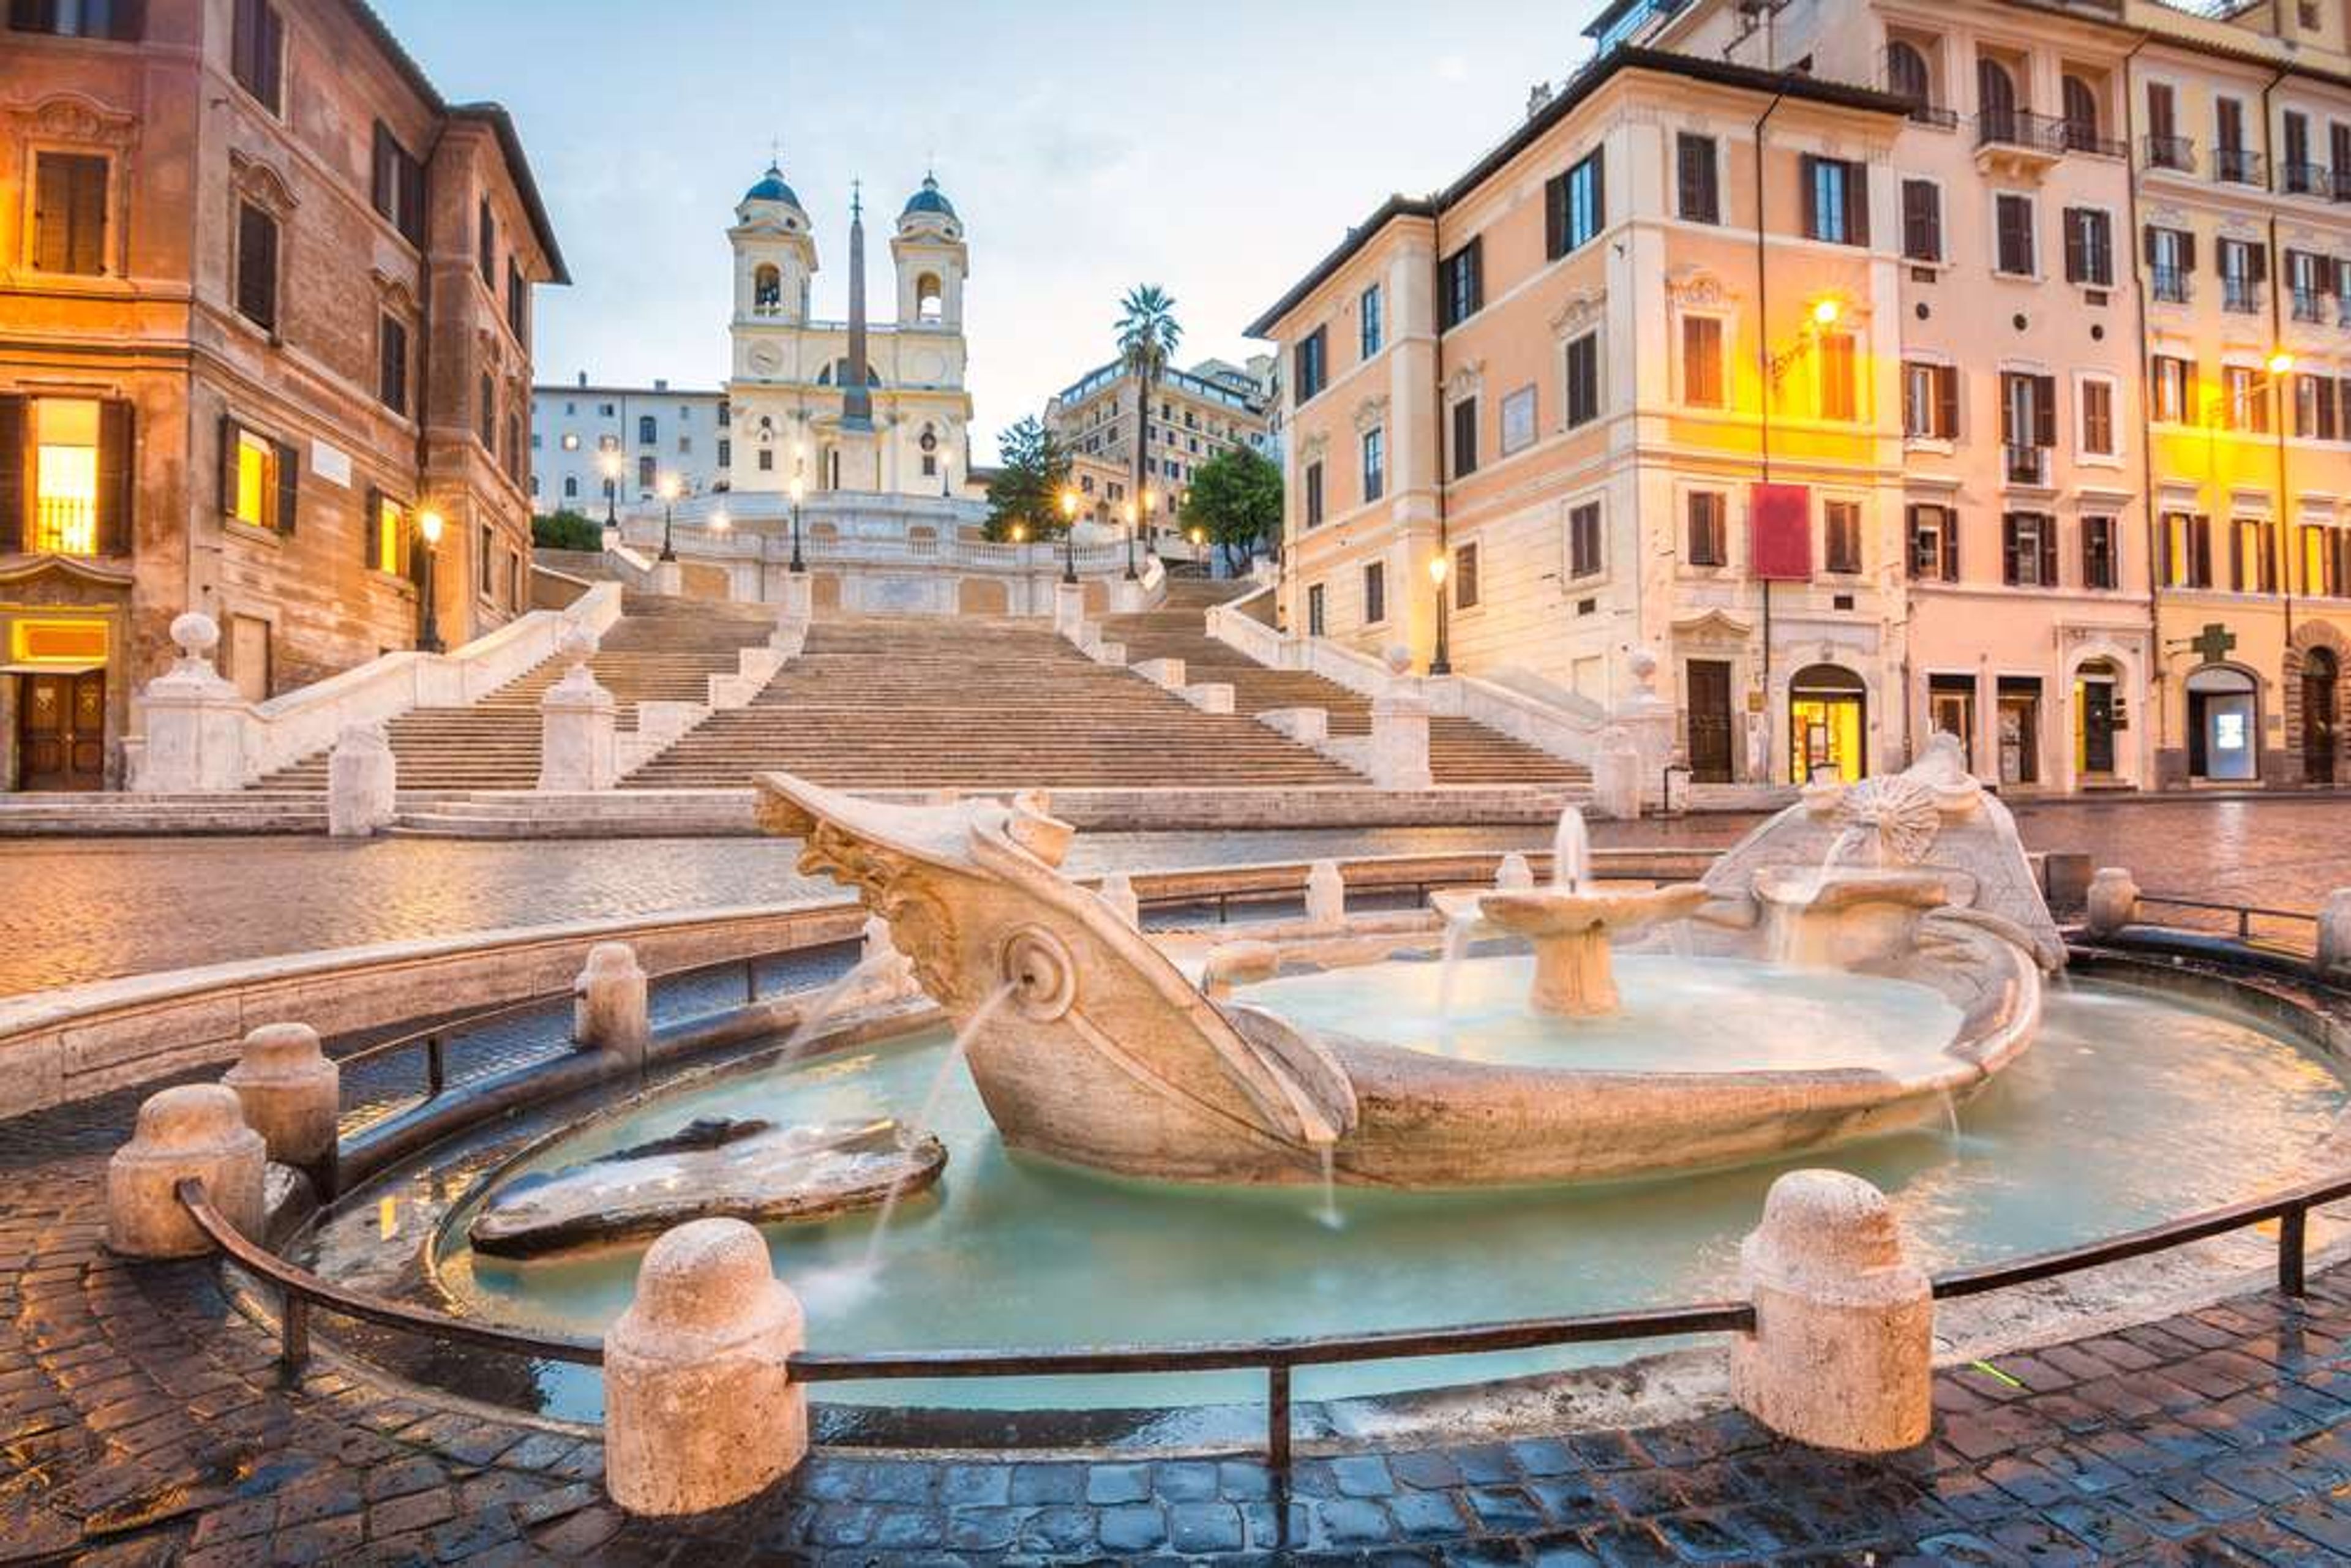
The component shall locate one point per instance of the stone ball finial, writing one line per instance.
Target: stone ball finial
(1398, 659)
(1643, 664)
(196, 633)
(577, 641)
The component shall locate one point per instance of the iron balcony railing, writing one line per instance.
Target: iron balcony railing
(2240, 295)
(2306, 180)
(2170, 153)
(2028, 465)
(2174, 284)
(2309, 305)
(2240, 166)
(1931, 114)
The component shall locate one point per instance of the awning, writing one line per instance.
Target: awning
(50, 669)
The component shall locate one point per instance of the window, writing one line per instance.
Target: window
(1696, 185)
(485, 243)
(2101, 552)
(487, 582)
(1922, 220)
(2323, 563)
(1367, 314)
(69, 213)
(1836, 201)
(2252, 555)
(485, 413)
(519, 304)
(1314, 495)
(2244, 404)
(1575, 207)
(2012, 235)
(117, 19)
(767, 461)
(2230, 159)
(2165, 149)
(387, 533)
(2089, 247)
(1465, 577)
(256, 266)
(1314, 619)
(2097, 396)
(2318, 408)
(1930, 401)
(260, 482)
(1374, 464)
(1583, 539)
(1995, 101)
(399, 185)
(2028, 410)
(2170, 262)
(571, 485)
(257, 51)
(2028, 551)
(1905, 74)
(2297, 175)
(1461, 285)
(81, 453)
(1702, 361)
(2174, 379)
(1311, 365)
(2244, 267)
(1708, 543)
(1465, 437)
(2079, 102)
(1584, 380)
(2308, 277)
(648, 431)
(1838, 397)
(1841, 535)
(391, 363)
(1934, 543)
(2187, 550)
(1376, 593)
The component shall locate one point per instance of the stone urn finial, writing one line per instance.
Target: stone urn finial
(197, 634)
(1398, 659)
(1642, 665)
(577, 642)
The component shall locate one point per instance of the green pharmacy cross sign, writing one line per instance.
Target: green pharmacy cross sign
(2212, 643)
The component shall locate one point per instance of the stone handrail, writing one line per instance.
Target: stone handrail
(633, 568)
(742, 544)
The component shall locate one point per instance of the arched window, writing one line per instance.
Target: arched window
(1905, 74)
(1995, 101)
(929, 298)
(571, 485)
(2081, 102)
(766, 288)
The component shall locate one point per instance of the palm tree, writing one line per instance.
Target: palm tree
(1147, 335)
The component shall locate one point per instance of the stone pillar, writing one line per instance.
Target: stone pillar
(1650, 722)
(2334, 931)
(194, 720)
(1616, 775)
(2112, 901)
(1326, 894)
(1843, 1352)
(362, 782)
(290, 1095)
(668, 578)
(194, 1130)
(1514, 873)
(576, 721)
(609, 1011)
(1068, 608)
(700, 1410)
(799, 596)
(1118, 892)
(1399, 750)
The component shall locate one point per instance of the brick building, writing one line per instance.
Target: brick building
(265, 300)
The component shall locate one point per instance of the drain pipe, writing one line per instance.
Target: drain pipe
(1763, 398)
(2156, 658)
(2273, 264)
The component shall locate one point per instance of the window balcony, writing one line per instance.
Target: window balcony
(2240, 295)
(2309, 305)
(2172, 284)
(65, 524)
(2027, 465)
(2170, 153)
(2307, 180)
(1929, 114)
(2240, 166)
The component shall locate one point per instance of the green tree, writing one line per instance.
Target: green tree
(1147, 335)
(1034, 468)
(565, 530)
(1236, 502)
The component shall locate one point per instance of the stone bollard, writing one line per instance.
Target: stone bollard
(290, 1095)
(578, 721)
(194, 1130)
(1616, 775)
(1843, 1352)
(2334, 931)
(1118, 892)
(1514, 873)
(1068, 608)
(362, 782)
(1399, 749)
(700, 1410)
(608, 1007)
(194, 720)
(2112, 901)
(1326, 894)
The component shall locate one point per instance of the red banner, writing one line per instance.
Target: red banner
(1780, 531)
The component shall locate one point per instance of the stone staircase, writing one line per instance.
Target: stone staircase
(932, 701)
(661, 650)
(1460, 750)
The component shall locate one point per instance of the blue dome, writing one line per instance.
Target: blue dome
(928, 200)
(771, 188)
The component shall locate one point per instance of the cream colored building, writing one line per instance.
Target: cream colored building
(1195, 414)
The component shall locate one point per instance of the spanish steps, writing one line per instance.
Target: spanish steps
(661, 650)
(1460, 750)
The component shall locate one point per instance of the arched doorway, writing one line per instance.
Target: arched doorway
(2320, 672)
(2223, 725)
(2097, 712)
(1828, 721)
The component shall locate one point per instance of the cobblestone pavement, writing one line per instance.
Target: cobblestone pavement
(142, 1420)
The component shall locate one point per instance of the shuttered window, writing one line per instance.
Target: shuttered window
(1461, 284)
(1841, 541)
(68, 468)
(1702, 361)
(1583, 541)
(1922, 220)
(1584, 380)
(2012, 235)
(485, 243)
(1934, 543)
(256, 266)
(1706, 531)
(260, 478)
(2028, 410)
(1376, 593)
(1840, 399)
(2101, 552)
(1930, 401)
(2029, 549)
(1836, 201)
(1575, 207)
(257, 51)
(69, 213)
(2089, 247)
(399, 185)
(391, 368)
(2098, 417)
(1698, 194)
(1465, 577)
(1465, 437)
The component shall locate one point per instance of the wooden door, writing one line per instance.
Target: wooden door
(62, 731)
(1709, 721)
(2318, 716)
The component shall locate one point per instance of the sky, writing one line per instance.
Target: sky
(1218, 148)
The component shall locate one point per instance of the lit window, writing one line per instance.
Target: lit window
(66, 437)
(256, 481)
(390, 528)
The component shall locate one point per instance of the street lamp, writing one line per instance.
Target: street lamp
(1150, 529)
(428, 527)
(668, 490)
(798, 488)
(1126, 515)
(1440, 665)
(1068, 534)
(720, 522)
(1019, 533)
(611, 464)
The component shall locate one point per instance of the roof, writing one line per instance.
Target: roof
(928, 200)
(1595, 75)
(491, 114)
(772, 188)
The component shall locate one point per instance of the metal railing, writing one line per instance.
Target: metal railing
(2306, 180)
(2243, 915)
(2041, 132)
(2240, 166)
(2170, 153)
(2171, 283)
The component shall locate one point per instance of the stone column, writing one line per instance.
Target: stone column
(194, 720)
(1399, 749)
(192, 1130)
(1326, 894)
(1118, 892)
(799, 596)
(1843, 1352)
(700, 1410)
(2112, 902)
(292, 1095)
(1616, 775)
(1649, 722)
(576, 721)
(609, 1008)
(668, 578)
(1068, 608)
(362, 782)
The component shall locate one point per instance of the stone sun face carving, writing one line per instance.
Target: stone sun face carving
(1900, 809)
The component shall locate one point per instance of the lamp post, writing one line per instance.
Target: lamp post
(428, 527)
(609, 463)
(799, 489)
(668, 488)
(1150, 528)
(1439, 664)
(1126, 515)
(1069, 535)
